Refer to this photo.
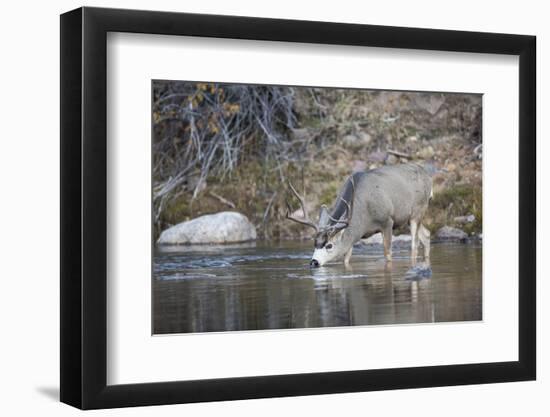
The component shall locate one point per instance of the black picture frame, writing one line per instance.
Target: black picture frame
(84, 207)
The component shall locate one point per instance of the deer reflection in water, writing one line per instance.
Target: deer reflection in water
(408, 292)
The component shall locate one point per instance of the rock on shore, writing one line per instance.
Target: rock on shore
(451, 233)
(446, 234)
(376, 239)
(223, 227)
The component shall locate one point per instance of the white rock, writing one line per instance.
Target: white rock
(360, 140)
(365, 138)
(426, 153)
(470, 218)
(223, 227)
(391, 159)
(450, 233)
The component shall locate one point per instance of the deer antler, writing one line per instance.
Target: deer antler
(305, 220)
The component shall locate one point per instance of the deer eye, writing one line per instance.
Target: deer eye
(329, 246)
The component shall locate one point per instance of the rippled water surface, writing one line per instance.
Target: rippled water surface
(270, 286)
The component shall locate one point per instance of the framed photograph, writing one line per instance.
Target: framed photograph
(257, 208)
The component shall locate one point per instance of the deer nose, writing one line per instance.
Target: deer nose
(314, 263)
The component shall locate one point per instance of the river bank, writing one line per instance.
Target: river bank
(335, 133)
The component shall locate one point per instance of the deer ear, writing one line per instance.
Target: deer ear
(324, 216)
(340, 234)
(336, 235)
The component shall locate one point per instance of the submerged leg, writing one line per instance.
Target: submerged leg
(414, 241)
(387, 235)
(424, 235)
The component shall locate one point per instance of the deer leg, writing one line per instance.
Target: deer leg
(347, 256)
(424, 235)
(387, 235)
(414, 241)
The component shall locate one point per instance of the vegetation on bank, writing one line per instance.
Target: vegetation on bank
(234, 147)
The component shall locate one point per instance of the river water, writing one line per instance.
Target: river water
(270, 286)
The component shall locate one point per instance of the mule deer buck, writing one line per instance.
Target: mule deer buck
(369, 202)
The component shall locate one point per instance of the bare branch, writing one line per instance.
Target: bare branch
(222, 199)
(399, 154)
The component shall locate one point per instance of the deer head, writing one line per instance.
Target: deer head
(329, 230)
